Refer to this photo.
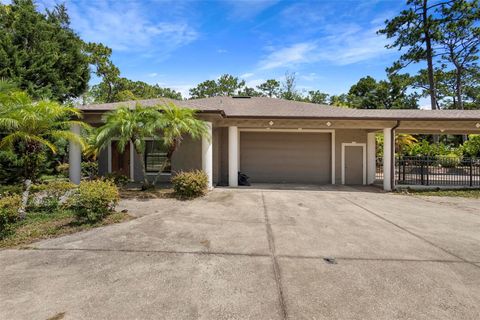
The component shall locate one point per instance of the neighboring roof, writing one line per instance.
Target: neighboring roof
(263, 107)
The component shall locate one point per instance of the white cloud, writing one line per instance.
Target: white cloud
(247, 75)
(309, 77)
(340, 45)
(254, 83)
(288, 56)
(222, 51)
(352, 44)
(125, 26)
(152, 75)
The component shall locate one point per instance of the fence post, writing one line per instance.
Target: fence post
(428, 171)
(399, 166)
(471, 171)
(421, 172)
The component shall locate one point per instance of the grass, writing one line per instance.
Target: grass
(464, 193)
(44, 225)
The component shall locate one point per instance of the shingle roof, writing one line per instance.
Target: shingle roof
(263, 107)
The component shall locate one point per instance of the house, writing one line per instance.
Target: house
(280, 141)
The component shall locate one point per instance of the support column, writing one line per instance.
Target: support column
(207, 155)
(233, 156)
(387, 159)
(75, 158)
(371, 158)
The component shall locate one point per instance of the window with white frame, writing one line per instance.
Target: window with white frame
(155, 156)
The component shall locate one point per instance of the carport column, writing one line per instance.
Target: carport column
(233, 156)
(75, 158)
(371, 157)
(387, 159)
(207, 154)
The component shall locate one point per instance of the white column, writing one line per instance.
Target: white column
(75, 158)
(207, 155)
(371, 158)
(233, 156)
(387, 159)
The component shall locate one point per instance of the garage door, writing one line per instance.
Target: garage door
(286, 157)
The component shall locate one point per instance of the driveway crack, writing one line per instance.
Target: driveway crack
(273, 255)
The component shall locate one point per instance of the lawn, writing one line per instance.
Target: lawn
(43, 225)
(91, 205)
(464, 193)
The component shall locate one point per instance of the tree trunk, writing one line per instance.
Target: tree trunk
(170, 152)
(146, 183)
(22, 211)
(164, 165)
(459, 91)
(429, 53)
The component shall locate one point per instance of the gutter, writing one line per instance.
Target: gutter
(392, 157)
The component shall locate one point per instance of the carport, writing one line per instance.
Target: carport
(428, 171)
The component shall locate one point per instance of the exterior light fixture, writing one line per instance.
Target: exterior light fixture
(442, 130)
(271, 123)
(477, 125)
(329, 124)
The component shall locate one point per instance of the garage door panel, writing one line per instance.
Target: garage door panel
(285, 157)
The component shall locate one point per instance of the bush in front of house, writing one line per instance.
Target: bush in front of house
(48, 197)
(120, 180)
(90, 169)
(93, 200)
(9, 206)
(190, 184)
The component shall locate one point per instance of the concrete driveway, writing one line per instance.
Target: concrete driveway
(259, 254)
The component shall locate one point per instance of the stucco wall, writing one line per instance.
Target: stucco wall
(187, 157)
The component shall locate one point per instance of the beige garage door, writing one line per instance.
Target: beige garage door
(286, 157)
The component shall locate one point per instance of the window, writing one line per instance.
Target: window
(155, 155)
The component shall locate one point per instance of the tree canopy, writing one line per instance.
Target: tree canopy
(41, 53)
(225, 85)
(367, 93)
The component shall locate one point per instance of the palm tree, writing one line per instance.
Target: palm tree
(404, 140)
(129, 125)
(175, 123)
(30, 127)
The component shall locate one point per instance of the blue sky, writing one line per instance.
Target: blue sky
(328, 44)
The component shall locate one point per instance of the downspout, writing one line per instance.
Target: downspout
(392, 164)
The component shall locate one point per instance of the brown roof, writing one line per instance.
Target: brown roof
(262, 107)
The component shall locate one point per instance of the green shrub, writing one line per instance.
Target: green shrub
(62, 169)
(120, 180)
(472, 146)
(55, 187)
(94, 200)
(47, 197)
(8, 213)
(90, 169)
(7, 190)
(190, 184)
(11, 167)
(451, 160)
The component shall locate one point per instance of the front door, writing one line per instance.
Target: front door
(121, 161)
(354, 165)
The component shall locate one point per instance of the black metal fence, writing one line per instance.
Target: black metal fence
(438, 171)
